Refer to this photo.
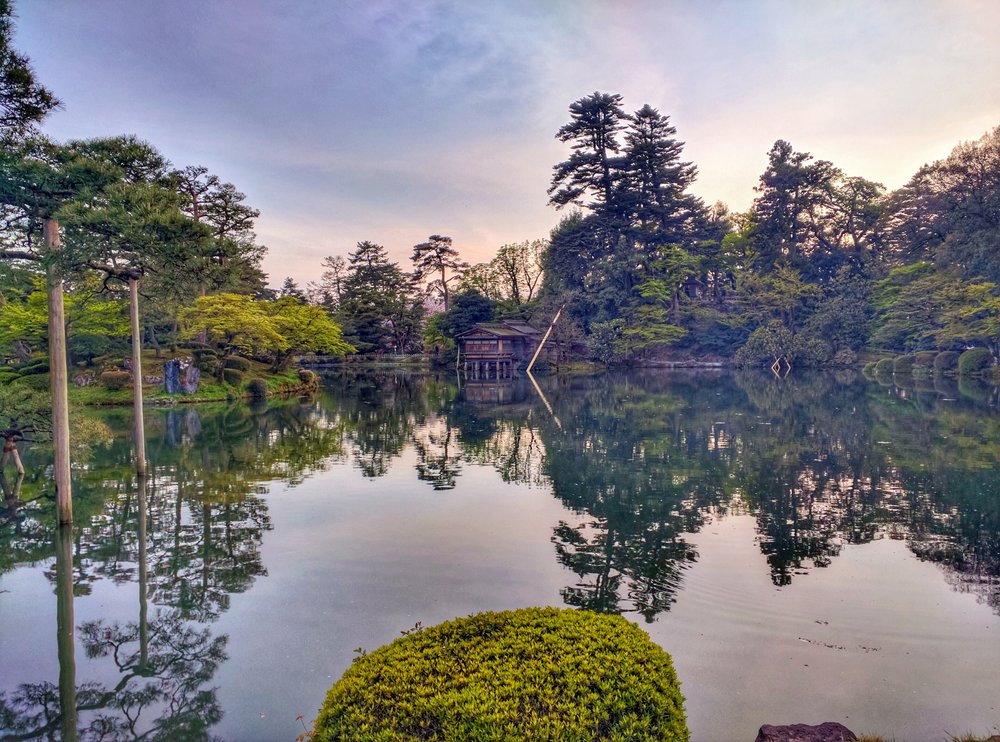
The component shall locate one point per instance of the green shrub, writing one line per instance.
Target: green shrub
(946, 362)
(257, 389)
(869, 369)
(974, 361)
(884, 367)
(924, 359)
(34, 367)
(232, 376)
(37, 382)
(903, 365)
(115, 380)
(530, 674)
(8, 376)
(240, 364)
(307, 377)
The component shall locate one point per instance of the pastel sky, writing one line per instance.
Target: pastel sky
(390, 120)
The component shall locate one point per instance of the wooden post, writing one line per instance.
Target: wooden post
(140, 428)
(545, 338)
(59, 378)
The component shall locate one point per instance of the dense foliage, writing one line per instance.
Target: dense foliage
(529, 674)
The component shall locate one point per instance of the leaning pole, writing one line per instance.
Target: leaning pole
(140, 428)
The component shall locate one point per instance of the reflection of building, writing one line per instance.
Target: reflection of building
(496, 350)
(495, 393)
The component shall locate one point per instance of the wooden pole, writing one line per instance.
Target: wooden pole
(59, 378)
(545, 338)
(140, 428)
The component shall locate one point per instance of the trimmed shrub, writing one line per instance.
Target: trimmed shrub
(884, 367)
(232, 376)
(34, 367)
(903, 365)
(924, 359)
(946, 362)
(869, 369)
(974, 361)
(257, 389)
(8, 376)
(115, 380)
(240, 364)
(530, 674)
(307, 377)
(37, 382)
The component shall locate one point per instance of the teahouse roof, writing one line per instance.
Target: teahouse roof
(502, 329)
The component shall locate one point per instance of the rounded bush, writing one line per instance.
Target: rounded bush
(946, 362)
(8, 376)
(35, 367)
(903, 365)
(974, 361)
(37, 382)
(530, 674)
(240, 364)
(257, 389)
(924, 359)
(307, 377)
(232, 376)
(868, 369)
(115, 380)
(884, 366)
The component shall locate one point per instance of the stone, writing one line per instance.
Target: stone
(828, 731)
(192, 375)
(172, 376)
(152, 379)
(82, 380)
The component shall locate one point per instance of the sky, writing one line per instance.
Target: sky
(392, 120)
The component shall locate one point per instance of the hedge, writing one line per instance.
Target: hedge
(240, 364)
(114, 380)
(529, 674)
(946, 362)
(257, 388)
(974, 361)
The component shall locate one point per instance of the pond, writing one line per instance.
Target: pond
(807, 549)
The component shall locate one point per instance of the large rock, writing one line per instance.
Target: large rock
(172, 376)
(828, 731)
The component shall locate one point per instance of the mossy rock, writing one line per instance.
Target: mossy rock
(529, 674)
(946, 362)
(974, 362)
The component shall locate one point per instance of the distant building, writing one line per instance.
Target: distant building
(497, 350)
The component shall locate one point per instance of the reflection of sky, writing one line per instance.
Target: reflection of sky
(391, 120)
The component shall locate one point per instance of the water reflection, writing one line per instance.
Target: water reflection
(640, 462)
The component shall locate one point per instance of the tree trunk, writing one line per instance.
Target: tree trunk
(59, 378)
(140, 428)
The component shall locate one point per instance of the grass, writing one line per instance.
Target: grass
(210, 389)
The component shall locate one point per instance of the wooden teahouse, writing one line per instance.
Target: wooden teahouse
(497, 350)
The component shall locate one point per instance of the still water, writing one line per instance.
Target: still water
(809, 549)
